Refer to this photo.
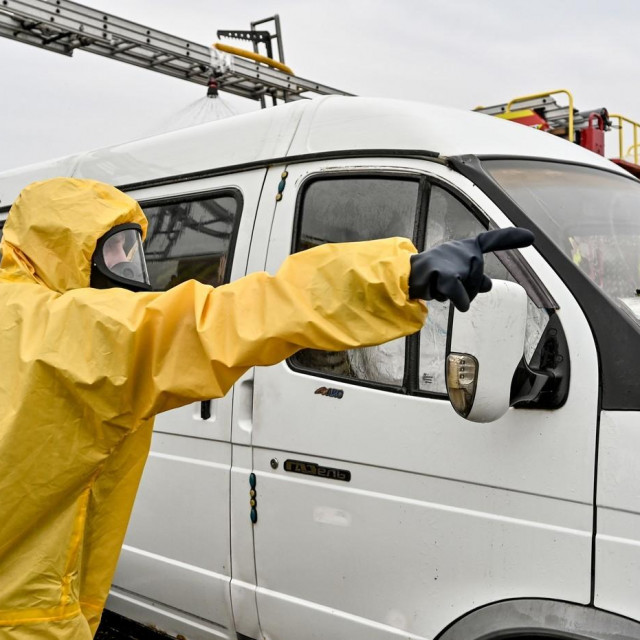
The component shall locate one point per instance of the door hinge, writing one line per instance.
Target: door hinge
(281, 185)
(253, 502)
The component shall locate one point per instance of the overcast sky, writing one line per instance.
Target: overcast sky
(459, 53)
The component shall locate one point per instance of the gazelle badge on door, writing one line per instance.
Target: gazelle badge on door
(313, 469)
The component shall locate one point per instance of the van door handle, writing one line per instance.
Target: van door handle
(205, 409)
(242, 421)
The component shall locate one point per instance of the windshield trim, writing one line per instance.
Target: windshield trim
(615, 332)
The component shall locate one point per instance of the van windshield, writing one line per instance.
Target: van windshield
(590, 214)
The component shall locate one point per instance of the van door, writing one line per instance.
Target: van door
(175, 569)
(380, 512)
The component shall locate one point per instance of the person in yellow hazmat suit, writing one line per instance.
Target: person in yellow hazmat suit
(90, 355)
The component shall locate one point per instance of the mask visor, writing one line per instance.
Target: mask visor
(119, 257)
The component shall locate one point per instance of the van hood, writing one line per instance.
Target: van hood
(53, 228)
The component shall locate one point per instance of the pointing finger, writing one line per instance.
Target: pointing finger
(504, 239)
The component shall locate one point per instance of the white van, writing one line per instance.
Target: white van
(340, 495)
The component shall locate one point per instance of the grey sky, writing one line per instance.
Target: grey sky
(460, 53)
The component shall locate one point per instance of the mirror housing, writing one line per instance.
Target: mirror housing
(486, 346)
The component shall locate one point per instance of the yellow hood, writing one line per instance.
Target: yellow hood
(53, 228)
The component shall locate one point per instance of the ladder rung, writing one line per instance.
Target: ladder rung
(58, 36)
(125, 46)
(535, 103)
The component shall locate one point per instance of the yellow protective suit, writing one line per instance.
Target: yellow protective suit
(85, 371)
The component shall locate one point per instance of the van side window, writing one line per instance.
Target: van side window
(191, 238)
(348, 209)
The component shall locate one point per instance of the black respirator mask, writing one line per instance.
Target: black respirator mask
(118, 260)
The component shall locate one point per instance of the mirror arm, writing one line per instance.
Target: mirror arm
(527, 384)
(544, 384)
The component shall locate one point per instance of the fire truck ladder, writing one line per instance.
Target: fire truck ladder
(565, 121)
(587, 128)
(64, 26)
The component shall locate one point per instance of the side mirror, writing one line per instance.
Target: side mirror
(487, 343)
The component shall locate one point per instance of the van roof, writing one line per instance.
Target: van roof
(328, 124)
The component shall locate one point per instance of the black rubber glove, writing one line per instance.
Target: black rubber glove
(454, 270)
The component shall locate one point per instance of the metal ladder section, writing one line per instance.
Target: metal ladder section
(562, 120)
(63, 26)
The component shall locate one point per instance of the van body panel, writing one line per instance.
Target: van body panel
(618, 534)
(155, 527)
(440, 515)
(320, 622)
